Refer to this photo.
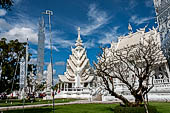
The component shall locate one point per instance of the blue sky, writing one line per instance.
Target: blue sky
(101, 21)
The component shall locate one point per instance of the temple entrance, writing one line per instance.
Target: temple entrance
(69, 86)
(85, 84)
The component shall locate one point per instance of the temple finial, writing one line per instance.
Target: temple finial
(130, 28)
(78, 32)
(79, 41)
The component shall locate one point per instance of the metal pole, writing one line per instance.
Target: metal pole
(26, 63)
(14, 75)
(25, 78)
(51, 60)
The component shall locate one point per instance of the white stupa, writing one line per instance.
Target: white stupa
(78, 77)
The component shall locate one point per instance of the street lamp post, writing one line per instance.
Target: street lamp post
(49, 13)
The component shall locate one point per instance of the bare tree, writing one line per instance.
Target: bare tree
(133, 65)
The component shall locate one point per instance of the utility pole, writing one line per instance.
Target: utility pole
(49, 13)
(25, 78)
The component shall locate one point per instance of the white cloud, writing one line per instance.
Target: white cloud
(110, 36)
(21, 33)
(90, 43)
(58, 41)
(46, 63)
(131, 4)
(17, 1)
(2, 12)
(20, 29)
(136, 20)
(97, 19)
(33, 61)
(53, 47)
(4, 25)
(27, 28)
(46, 72)
(55, 81)
(60, 63)
(64, 43)
(32, 51)
(149, 3)
(54, 71)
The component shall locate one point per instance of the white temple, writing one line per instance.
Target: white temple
(79, 82)
(78, 78)
(161, 80)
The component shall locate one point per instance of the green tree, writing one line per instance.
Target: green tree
(6, 4)
(10, 54)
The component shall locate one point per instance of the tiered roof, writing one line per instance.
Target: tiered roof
(137, 37)
(77, 63)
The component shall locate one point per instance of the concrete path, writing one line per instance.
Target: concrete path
(56, 104)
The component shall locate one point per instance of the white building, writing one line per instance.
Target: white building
(161, 80)
(162, 9)
(78, 78)
(79, 82)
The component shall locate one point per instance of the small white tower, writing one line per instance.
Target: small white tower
(49, 77)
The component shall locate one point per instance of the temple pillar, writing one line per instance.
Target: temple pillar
(59, 88)
(64, 86)
(67, 86)
(150, 78)
(88, 84)
(77, 80)
(167, 70)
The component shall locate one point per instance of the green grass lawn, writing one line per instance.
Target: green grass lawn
(15, 102)
(87, 108)
(162, 106)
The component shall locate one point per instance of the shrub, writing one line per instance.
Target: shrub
(120, 109)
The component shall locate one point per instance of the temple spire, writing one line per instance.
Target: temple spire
(130, 28)
(41, 42)
(78, 33)
(78, 41)
(41, 24)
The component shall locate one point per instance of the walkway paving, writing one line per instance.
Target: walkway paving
(56, 104)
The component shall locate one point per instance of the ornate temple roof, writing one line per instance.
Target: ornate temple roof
(135, 38)
(78, 63)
